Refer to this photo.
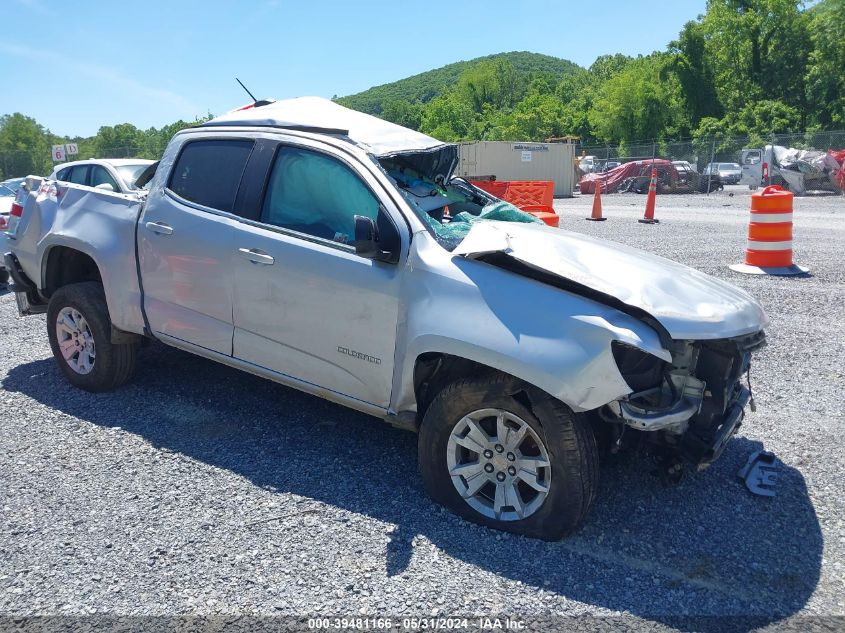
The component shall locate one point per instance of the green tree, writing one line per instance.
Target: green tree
(24, 146)
(535, 118)
(493, 82)
(640, 102)
(577, 92)
(763, 119)
(448, 118)
(607, 66)
(826, 66)
(403, 113)
(695, 73)
(119, 141)
(758, 49)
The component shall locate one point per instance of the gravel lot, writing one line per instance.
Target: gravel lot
(201, 490)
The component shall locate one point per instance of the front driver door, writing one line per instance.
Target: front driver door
(305, 305)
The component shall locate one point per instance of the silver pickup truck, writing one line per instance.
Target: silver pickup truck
(334, 252)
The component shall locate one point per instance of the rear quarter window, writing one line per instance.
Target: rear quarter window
(209, 172)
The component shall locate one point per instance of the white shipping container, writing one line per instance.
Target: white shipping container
(521, 161)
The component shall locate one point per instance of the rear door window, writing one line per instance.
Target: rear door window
(78, 175)
(209, 172)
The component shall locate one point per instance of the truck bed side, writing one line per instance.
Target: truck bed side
(60, 221)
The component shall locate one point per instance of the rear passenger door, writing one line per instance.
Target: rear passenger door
(185, 242)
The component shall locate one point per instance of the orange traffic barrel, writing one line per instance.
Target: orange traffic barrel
(769, 247)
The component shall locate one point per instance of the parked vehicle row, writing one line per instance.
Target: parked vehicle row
(109, 174)
(310, 244)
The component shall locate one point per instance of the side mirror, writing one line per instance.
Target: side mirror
(366, 238)
(105, 186)
(377, 240)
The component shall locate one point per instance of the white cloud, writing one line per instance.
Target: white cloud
(33, 5)
(120, 82)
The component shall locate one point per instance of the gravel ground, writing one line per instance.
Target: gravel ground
(199, 490)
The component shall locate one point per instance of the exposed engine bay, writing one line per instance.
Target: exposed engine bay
(687, 409)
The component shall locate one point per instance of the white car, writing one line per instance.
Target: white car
(111, 174)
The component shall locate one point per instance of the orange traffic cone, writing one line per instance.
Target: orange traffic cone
(648, 218)
(596, 214)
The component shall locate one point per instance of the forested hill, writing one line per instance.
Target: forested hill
(425, 86)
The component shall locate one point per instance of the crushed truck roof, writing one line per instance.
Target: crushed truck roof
(377, 136)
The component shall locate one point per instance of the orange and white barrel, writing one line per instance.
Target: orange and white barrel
(769, 246)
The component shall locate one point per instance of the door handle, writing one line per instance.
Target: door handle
(257, 257)
(158, 227)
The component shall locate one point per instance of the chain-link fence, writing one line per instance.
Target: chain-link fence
(699, 152)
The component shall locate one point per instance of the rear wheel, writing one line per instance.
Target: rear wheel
(79, 329)
(528, 466)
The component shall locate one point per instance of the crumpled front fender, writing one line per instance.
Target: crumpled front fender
(550, 338)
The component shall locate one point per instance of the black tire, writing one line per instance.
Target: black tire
(113, 364)
(4, 276)
(568, 439)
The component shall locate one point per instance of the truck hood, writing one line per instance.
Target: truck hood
(687, 303)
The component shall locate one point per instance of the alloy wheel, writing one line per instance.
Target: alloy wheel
(498, 464)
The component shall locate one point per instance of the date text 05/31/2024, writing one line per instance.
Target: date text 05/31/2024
(417, 624)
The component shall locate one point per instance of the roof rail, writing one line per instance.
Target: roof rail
(296, 128)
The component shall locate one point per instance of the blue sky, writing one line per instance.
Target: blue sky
(76, 65)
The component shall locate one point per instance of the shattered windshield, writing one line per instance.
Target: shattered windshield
(449, 210)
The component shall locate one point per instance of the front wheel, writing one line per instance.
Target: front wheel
(527, 465)
(79, 329)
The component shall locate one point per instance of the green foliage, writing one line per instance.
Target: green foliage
(448, 117)
(608, 66)
(751, 68)
(758, 49)
(826, 66)
(117, 142)
(695, 72)
(641, 101)
(24, 146)
(428, 85)
(492, 82)
(403, 113)
(764, 118)
(537, 117)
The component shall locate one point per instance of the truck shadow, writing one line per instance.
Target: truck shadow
(706, 545)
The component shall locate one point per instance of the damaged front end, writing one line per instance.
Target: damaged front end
(686, 410)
